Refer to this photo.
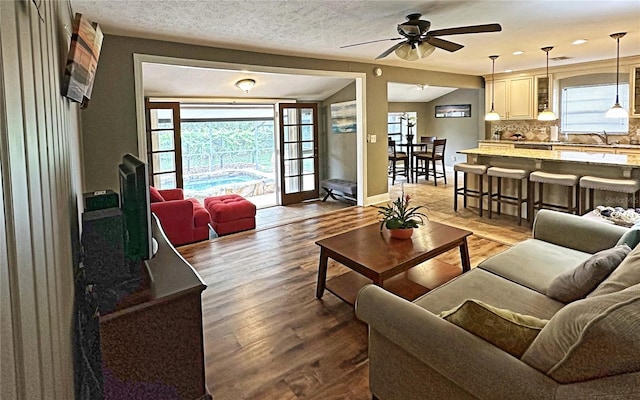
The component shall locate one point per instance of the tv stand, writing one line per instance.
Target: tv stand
(152, 343)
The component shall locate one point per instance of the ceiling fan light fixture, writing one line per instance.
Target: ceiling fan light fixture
(492, 115)
(245, 84)
(424, 49)
(407, 52)
(546, 114)
(617, 111)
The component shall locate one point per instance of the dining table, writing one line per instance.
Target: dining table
(410, 149)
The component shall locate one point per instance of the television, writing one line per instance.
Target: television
(135, 206)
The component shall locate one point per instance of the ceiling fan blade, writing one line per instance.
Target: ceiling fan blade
(466, 29)
(371, 41)
(391, 50)
(443, 44)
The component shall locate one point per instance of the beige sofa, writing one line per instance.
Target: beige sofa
(589, 348)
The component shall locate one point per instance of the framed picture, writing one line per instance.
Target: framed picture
(343, 117)
(453, 111)
(82, 61)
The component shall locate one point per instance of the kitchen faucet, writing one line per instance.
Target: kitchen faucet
(603, 136)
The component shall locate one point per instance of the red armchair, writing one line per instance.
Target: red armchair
(183, 220)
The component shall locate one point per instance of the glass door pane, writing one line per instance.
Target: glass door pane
(299, 152)
(163, 145)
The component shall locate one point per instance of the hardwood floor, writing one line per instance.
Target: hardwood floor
(268, 337)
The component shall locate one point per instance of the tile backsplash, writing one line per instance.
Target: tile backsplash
(538, 131)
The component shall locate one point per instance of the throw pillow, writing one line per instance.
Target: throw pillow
(154, 195)
(510, 331)
(627, 274)
(590, 338)
(577, 283)
(632, 237)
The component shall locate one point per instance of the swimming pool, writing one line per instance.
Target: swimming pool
(243, 182)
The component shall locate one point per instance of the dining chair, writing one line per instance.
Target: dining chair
(426, 162)
(395, 157)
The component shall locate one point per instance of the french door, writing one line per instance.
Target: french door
(298, 152)
(164, 152)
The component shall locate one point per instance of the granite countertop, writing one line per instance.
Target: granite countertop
(617, 145)
(560, 155)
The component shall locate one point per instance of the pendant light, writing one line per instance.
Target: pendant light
(547, 114)
(493, 115)
(617, 111)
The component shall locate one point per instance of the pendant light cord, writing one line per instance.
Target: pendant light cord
(493, 81)
(547, 50)
(617, 68)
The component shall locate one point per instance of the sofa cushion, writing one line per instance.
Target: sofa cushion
(577, 283)
(491, 289)
(154, 195)
(534, 263)
(510, 331)
(625, 275)
(590, 338)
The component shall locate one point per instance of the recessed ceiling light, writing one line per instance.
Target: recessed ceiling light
(508, 70)
(579, 41)
(517, 53)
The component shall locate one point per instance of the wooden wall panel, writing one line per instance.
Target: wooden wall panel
(40, 202)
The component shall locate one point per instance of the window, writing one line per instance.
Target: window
(584, 108)
(227, 146)
(396, 126)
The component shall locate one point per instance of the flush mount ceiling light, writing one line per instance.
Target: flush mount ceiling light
(617, 111)
(547, 114)
(579, 41)
(518, 53)
(413, 51)
(492, 115)
(245, 84)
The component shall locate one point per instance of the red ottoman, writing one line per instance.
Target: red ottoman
(230, 213)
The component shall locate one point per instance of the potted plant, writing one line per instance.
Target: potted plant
(400, 218)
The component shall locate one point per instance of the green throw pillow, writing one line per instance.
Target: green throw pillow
(510, 331)
(632, 237)
(577, 283)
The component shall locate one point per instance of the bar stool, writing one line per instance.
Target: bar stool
(591, 183)
(479, 171)
(518, 175)
(541, 178)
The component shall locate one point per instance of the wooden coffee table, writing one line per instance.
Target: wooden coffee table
(375, 257)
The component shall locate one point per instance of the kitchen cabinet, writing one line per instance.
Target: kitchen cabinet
(513, 97)
(543, 93)
(634, 91)
(630, 152)
(566, 148)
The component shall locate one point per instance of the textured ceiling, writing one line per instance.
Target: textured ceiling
(317, 28)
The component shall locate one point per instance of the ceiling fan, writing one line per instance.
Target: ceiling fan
(419, 41)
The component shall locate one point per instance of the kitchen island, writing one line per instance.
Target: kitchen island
(604, 165)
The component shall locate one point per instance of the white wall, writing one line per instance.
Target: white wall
(41, 187)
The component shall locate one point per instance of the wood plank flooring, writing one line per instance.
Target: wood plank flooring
(268, 337)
